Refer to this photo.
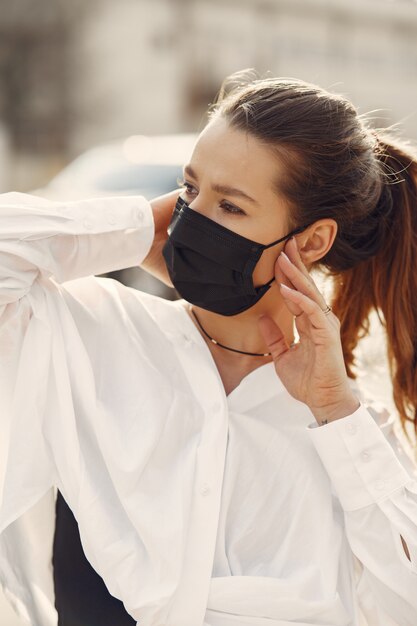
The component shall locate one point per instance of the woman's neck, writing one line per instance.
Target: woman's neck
(241, 331)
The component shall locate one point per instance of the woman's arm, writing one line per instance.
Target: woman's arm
(43, 244)
(40, 239)
(376, 483)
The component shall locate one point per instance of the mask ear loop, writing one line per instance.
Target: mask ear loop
(290, 234)
(274, 243)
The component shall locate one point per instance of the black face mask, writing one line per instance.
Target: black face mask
(211, 266)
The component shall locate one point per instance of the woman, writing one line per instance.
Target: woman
(221, 470)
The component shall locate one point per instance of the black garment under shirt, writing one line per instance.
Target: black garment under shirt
(81, 597)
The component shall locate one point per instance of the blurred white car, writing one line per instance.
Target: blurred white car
(138, 165)
(143, 165)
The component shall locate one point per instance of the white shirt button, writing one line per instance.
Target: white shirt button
(87, 224)
(351, 429)
(205, 489)
(139, 216)
(111, 218)
(380, 484)
(365, 456)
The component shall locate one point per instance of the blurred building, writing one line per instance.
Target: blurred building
(34, 78)
(75, 74)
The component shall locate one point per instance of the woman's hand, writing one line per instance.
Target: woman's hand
(162, 207)
(313, 370)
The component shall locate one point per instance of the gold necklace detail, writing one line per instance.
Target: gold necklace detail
(227, 347)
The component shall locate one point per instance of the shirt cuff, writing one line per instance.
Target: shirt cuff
(119, 232)
(128, 217)
(145, 220)
(358, 458)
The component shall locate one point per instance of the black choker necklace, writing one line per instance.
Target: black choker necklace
(226, 347)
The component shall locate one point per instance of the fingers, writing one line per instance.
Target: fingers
(312, 309)
(163, 208)
(282, 278)
(292, 251)
(165, 204)
(273, 337)
(295, 270)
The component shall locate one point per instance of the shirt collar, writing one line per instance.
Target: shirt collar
(255, 388)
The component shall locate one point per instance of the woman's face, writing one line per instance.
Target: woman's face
(230, 179)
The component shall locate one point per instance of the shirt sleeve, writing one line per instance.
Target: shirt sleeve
(376, 483)
(44, 244)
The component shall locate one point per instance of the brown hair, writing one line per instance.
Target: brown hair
(339, 168)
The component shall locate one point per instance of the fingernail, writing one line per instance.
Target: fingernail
(285, 287)
(285, 256)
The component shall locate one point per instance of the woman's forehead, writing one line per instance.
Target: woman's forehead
(233, 157)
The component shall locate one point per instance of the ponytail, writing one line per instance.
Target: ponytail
(387, 281)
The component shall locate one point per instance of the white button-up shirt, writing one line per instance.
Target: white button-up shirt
(195, 507)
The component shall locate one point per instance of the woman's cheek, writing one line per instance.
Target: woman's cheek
(265, 268)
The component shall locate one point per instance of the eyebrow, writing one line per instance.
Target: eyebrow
(231, 191)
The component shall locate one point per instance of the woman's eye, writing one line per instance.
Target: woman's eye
(188, 187)
(225, 206)
(230, 208)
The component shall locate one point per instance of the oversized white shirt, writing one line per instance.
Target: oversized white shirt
(195, 507)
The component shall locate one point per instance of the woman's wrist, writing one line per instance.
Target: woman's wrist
(342, 408)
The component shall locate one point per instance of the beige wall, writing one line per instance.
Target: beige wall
(152, 66)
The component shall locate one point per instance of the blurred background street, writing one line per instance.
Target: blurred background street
(105, 97)
(77, 74)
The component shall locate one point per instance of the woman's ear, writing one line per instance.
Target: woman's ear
(316, 240)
